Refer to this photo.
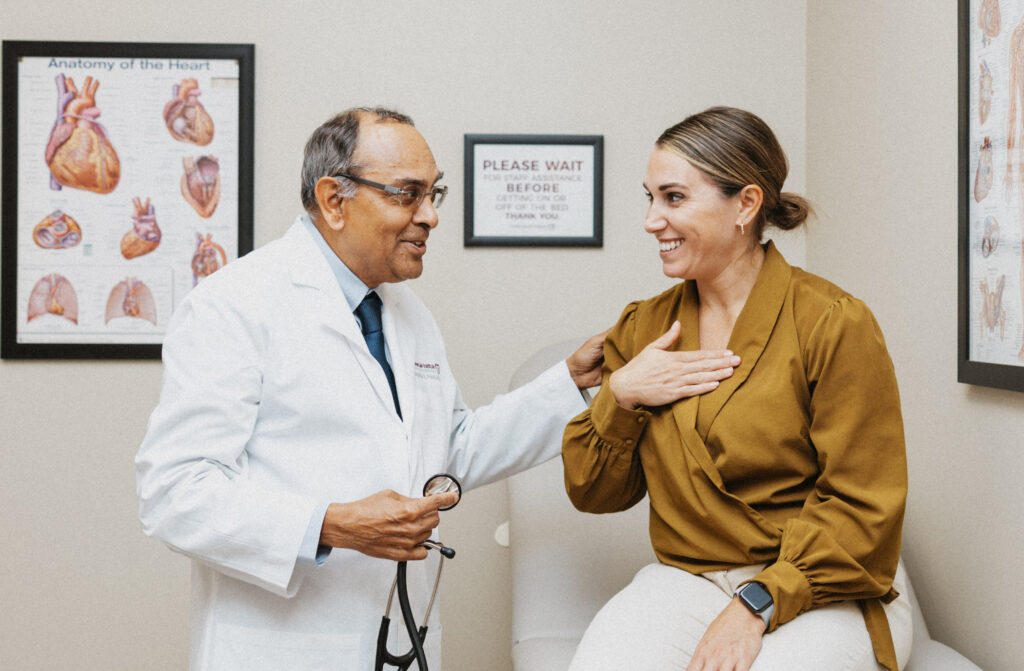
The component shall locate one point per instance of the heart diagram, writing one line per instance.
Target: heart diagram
(209, 257)
(54, 295)
(200, 185)
(186, 118)
(131, 298)
(78, 153)
(144, 235)
(57, 231)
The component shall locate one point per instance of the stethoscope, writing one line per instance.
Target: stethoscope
(438, 484)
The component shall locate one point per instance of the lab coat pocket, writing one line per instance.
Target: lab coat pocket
(236, 648)
(429, 390)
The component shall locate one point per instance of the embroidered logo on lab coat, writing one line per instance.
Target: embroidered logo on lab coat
(428, 371)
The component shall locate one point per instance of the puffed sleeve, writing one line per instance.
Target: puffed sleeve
(845, 544)
(602, 468)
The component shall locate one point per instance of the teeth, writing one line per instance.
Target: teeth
(669, 245)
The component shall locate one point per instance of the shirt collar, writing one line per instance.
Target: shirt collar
(350, 284)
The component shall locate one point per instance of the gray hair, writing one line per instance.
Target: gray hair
(329, 149)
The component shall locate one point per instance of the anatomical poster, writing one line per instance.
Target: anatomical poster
(131, 174)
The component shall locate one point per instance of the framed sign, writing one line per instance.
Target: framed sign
(127, 179)
(534, 190)
(991, 178)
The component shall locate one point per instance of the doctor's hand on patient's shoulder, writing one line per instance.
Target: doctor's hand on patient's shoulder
(657, 376)
(585, 363)
(385, 525)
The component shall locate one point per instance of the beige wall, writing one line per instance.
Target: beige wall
(863, 96)
(876, 140)
(83, 588)
(882, 166)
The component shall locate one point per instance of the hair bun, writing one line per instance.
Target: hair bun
(791, 212)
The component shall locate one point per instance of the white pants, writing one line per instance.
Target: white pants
(657, 621)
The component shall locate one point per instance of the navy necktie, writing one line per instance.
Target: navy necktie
(368, 313)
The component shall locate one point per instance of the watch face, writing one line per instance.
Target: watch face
(756, 596)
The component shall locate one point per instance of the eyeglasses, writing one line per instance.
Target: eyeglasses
(409, 197)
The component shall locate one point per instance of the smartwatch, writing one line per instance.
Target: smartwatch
(758, 599)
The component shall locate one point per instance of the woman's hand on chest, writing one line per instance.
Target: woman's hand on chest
(657, 376)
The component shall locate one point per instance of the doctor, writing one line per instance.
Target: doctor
(285, 459)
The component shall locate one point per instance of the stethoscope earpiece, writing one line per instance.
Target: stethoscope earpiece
(443, 549)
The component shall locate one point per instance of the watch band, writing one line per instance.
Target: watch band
(766, 614)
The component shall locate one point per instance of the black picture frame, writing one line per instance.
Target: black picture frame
(986, 302)
(564, 203)
(155, 74)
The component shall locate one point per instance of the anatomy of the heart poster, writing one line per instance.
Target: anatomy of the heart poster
(127, 194)
(996, 203)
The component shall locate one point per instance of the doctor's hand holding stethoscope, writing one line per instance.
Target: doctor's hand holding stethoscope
(385, 525)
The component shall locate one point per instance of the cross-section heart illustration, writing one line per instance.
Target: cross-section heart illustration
(57, 231)
(54, 295)
(78, 152)
(131, 298)
(145, 234)
(209, 257)
(186, 118)
(200, 185)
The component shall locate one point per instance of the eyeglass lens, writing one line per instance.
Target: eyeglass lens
(437, 195)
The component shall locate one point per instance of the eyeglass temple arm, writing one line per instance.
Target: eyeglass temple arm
(393, 190)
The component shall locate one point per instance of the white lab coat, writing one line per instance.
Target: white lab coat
(271, 402)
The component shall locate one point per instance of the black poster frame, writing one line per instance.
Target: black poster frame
(970, 317)
(13, 347)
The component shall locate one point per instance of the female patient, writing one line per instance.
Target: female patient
(756, 404)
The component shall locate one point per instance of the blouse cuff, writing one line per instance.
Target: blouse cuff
(790, 589)
(617, 426)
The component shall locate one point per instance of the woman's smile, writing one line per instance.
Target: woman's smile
(668, 245)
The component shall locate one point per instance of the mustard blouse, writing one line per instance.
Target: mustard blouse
(796, 460)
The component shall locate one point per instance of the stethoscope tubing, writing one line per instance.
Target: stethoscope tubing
(402, 662)
(417, 636)
(410, 623)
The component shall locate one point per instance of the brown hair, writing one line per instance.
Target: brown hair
(735, 148)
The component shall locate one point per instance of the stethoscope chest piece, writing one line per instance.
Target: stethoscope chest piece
(441, 483)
